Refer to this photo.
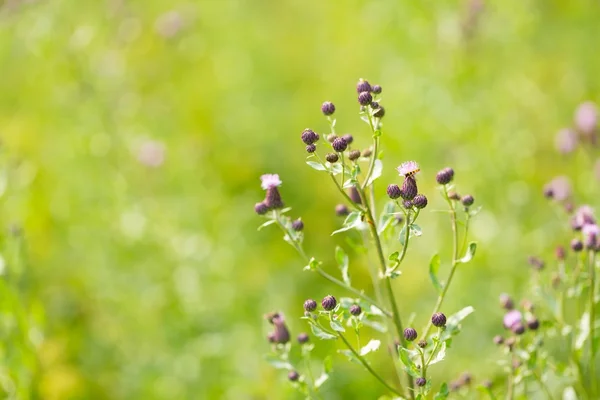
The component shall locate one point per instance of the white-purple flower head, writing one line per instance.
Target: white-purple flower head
(584, 216)
(512, 318)
(270, 181)
(558, 188)
(408, 168)
(586, 118)
(566, 141)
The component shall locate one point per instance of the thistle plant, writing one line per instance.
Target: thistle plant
(374, 310)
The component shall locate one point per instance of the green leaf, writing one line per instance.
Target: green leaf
(379, 327)
(434, 266)
(439, 356)
(474, 211)
(584, 330)
(470, 253)
(352, 220)
(336, 326)
(321, 334)
(394, 256)
(453, 323)
(269, 222)
(415, 230)
(342, 260)
(376, 173)
(373, 345)
(327, 364)
(411, 368)
(277, 362)
(443, 393)
(349, 183)
(336, 168)
(321, 380)
(316, 165)
(386, 217)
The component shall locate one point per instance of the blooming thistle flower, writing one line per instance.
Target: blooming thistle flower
(586, 118)
(355, 309)
(354, 155)
(408, 168)
(354, 195)
(445, 176)
(512, 318)
(566, 141)
(298, 225)
(362, 86)
(558, 188)
(310, 305)
(393, 191)
(376, 89)
(309, 136)
(261, 208)
(365, 98)
(270, 182)
(591, 234)
(410, 334)
(329, 302)
(438, 319)
(409, 188)
(331, 157)
(584, 215)
(339, 145)
(328, 108)
(311, 148)
(303, 338)
(271, 337)
(341, 210)
(348, 138)
(420, 201)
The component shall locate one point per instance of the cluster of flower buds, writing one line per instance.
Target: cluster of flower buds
(409, 191)
(272, 201)
(514, 320)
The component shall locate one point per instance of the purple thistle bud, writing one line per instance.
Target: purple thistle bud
(420, 201)
(362, 86)
(271, 337)
(329, 302)
(566, 141)
(591, 233)
(576, 245)
(365, 98)
(407, 204)
(261, 208)
(533, 323)
(453, 196)
(518, 328)
(303, 338)
(536, 263)
(271, 316)
(348, 138)
(422, 343)
(311, 148)
(548, 192)
(560, 253)
(354, 195)
(273, 198)
(512, 318)
(466, 378)
(445, 176)
(331, 137)
(420, 381)
(354, 155)
(506, 302)
(583, 216)
(374, 105)
(498, 340)
(467, 200)
(376, 89)
(393, 191)
(332, 157)
(355, 309)
(293, 376)
(438, 319)
(298, 225)
(409, 188)
(379, 113)
(328, 108)
(339, 145)
(410, 334)
(310, 305)
(282, 334)
(586, 118)
(367, 152)
(309, 136)
(341, 210)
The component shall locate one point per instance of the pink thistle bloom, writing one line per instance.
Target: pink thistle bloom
(408, 168)
(586, 117)
(512, 318)
(269, 181)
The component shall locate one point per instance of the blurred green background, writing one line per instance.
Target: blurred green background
(134, 134)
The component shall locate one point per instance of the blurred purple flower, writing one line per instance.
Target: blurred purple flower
(591, 233)
(586, 118)
(151, 153)
(566, 141)
(512, 318)
(270, 181)
(558, 188)
(583, 216)
(408, 168)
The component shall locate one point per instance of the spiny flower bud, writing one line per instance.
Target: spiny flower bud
(438, 319)
(420, 201)
(422, 343)
(273, 198)
(533, 323)
(328, 108)
(261, 208)
(363, 86)
(303, 338)
(331, 137)
(310, 305)
(329, 302)
(374, 105)
(380, 112)
(407, 204)
(348, 138)
(354, 155)
(420, 381)
(354, 195)
(282, 335)
(309, 136)
(365, 98)
(467, 200)
(394, 191)
(271, 337)
(518, 328)
(445, 176)
(332, 157)
(409, 188)
(376, 89)
(293, 376)
(311, 148)
(298, 225)
(339, 145)
(453, 196)
(506, 302)
(355, 309)
(410, 334)
(498, 340)
(367, 152)
(341, 210)
(576, 245)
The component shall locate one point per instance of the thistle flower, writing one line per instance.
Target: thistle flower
(348, 138)
(341, 210)
(311, 148)
(560, 253)
(487, 384)
(591, 234)
(576, 245)
(374, 105)
(566, 141)
(506, 302)
(362, 86)
(518, 328)
(498, 340)
(422, 343)
(410, 334)
(584, 215)
(331, 157)
(527, 305)
(303, 338)
(420, 201)
(310, 305)
(271, 337)
(467, 200)
(282, 334)
(354, 195)
(407, 204)
(376, 89)
(293, 376)
(339, 145)
(355, 310)
(270, 182)
(558, 188)
(445, 176)
(298, 225)
(379, 113)
(586, 118)
(393, 191)
(408, 168)
(533, 323)
(420, 381)
(328, 108)
(466, 378)
(354, 155)
(365, 98)
(438, 319)
(409, 188)
(512, 318)
(309, 136)
(329, 302)
(261, 208)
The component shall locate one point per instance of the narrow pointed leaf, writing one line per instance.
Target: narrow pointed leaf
(434, 266)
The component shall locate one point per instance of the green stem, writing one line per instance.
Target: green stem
(510, 392)
(592, 322)
(367, 366)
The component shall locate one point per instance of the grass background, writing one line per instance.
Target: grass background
(141, 282)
